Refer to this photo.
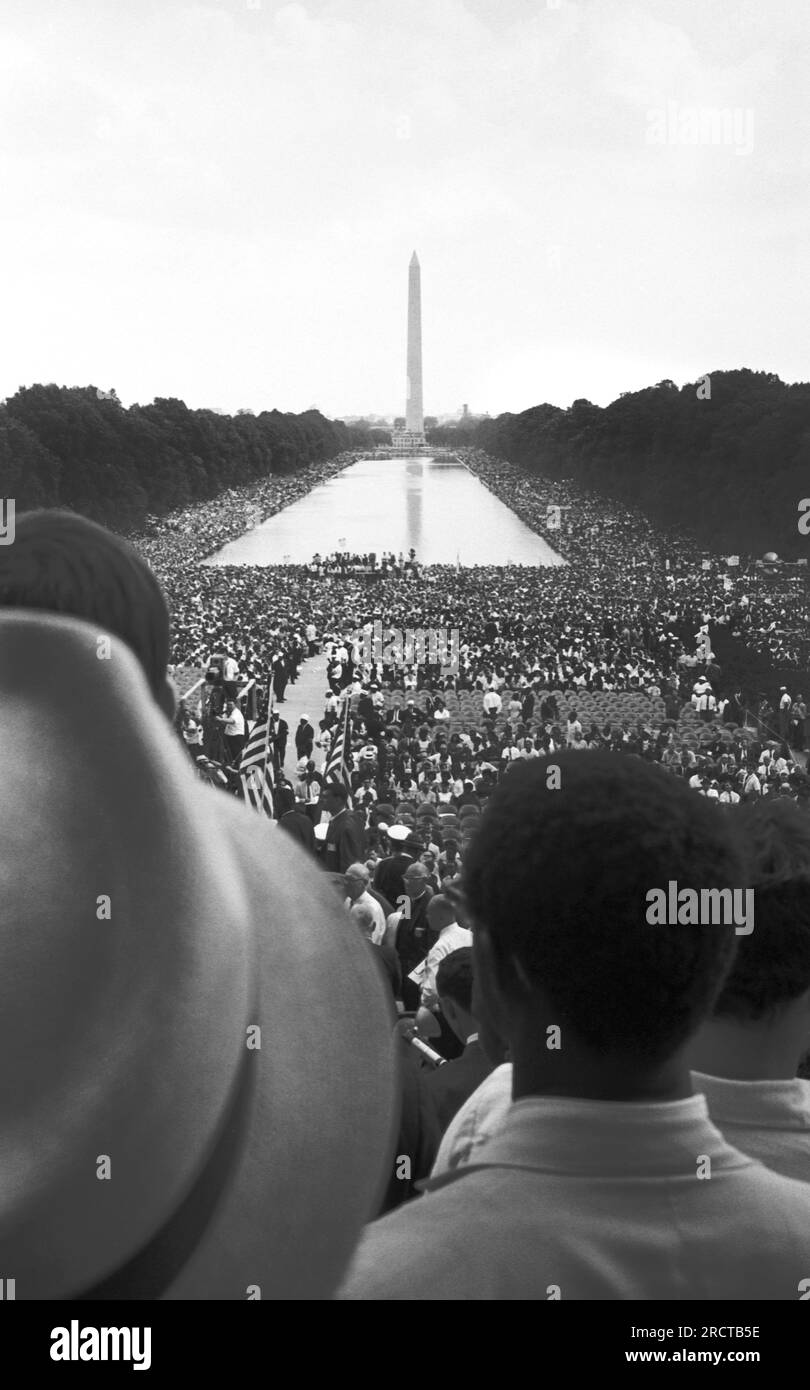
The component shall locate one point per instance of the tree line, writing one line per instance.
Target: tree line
(78, 447)
(727, 456)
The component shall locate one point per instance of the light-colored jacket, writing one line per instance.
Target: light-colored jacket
(583, 1199)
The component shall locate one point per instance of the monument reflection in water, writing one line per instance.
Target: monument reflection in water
(435, 506)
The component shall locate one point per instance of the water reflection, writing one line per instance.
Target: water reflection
(435, 506)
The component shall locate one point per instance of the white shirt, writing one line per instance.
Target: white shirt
(236, 723)
(768, 1120)
(366, 900)
(230, 669)
(584, 1199)
(451, 938)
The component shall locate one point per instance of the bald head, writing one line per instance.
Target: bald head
(357, 880)
(441, 912)
(364, 917)
(415, 880)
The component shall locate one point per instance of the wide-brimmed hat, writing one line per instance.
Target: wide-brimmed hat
(196, 1082)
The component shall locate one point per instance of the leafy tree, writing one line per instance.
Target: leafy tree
(732, 464)
(78, 447)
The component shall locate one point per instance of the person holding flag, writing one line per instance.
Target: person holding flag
(256, 766)
(337, 764)
(345, 841)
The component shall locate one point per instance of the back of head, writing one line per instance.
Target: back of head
(454, 978)
(772, 966)
(62, 563)
(364, 917)
(559, 873)
(441, 912)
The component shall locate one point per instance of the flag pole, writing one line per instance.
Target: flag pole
(271, 704)
(341, 737)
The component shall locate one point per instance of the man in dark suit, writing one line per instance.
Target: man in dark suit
(280, 677)
(294, 820)
(735, 709)
(345, 839)
(388, 875)
(365, 708)
(280, 731)
(468, 796)
(304, 737)
(409, 931)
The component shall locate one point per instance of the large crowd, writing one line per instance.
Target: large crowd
(612, 650)
(567, 1060)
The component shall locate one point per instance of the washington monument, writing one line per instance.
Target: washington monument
(414, 433)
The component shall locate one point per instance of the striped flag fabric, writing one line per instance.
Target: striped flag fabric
(337, 764)
(256, 767)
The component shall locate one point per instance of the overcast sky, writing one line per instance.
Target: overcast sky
(219, 201)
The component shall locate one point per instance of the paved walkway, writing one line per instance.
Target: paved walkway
(307, 696)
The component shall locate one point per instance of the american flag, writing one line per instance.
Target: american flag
(337, 765)
(256, 766)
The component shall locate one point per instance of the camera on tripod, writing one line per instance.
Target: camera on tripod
(213, 675)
